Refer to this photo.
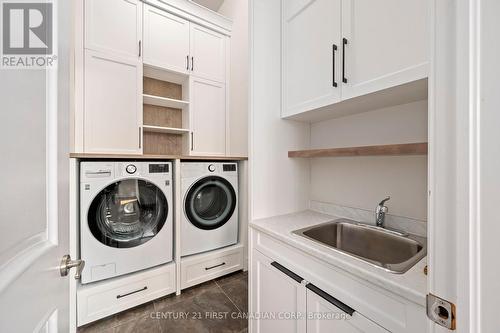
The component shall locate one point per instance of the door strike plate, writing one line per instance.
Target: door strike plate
(441, 311)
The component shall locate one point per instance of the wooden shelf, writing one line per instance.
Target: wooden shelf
(166, 130)
(380, 150)
(165, 102)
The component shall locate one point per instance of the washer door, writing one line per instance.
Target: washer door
(127, 213)
(210, 203)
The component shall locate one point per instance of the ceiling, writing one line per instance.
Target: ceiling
(211, 4)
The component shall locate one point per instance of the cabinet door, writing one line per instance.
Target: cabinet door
(208, 117)
(208, 54)
(114, 26)
(166, 40)
(324, 317)
(311, 65)
(275, 293)
(387, 44)
(113, 104)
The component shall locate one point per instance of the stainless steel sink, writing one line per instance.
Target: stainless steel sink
(390, 250)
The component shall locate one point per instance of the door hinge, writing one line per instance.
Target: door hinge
(441, 311)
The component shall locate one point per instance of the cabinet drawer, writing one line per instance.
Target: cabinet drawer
(207, 266)
(99, 300)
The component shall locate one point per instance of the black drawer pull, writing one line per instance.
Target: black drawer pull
(212, 267)
(132, 292)
(288, 272)
(330, 299)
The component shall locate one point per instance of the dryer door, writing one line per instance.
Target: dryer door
(210, 203)
(127, 213)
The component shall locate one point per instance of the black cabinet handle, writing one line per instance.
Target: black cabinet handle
(334, 49)
(212, 267)
(131, 293)
(344, 43)
(187, 62)
(330, 299)
(140, 49)
(287, 272)
(192, 63)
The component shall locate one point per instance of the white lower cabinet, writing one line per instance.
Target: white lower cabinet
(102, 299)
(292, 291)
(207, 266)
(325, 316)
(288, 303)
(276, 294)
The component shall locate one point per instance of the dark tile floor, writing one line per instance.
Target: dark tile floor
(213, 307)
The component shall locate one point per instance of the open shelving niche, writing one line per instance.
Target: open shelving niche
(166, 126)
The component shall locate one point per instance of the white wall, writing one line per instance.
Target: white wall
(237, 10)
(361, 182)
(278, 184)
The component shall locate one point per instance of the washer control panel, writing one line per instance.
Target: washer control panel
(159, 168)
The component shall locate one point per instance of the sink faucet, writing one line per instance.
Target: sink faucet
(380, 213)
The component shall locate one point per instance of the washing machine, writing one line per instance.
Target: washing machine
(126, 217)
(210, 204)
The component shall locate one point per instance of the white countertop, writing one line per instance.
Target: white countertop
(411, 285)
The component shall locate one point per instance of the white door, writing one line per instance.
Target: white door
(324, 317)
(114, 26)
(113, 104)
(276, 292)
(208, 54)
(166, 40)
(34, 210)
(208, 117)
(311, 54)
(387, 44)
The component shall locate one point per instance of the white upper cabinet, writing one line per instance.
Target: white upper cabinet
(387, 44)
(114, 26)
(274, 292)
(166, 40)
(113, 104)
(116, 39)
(208, 54)
(311, 35)
(335, 50)
(208, 117)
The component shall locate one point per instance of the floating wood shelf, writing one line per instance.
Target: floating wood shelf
(165, 102)
(167, 130)
(380, 150)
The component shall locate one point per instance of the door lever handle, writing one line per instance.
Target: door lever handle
(67, 264)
